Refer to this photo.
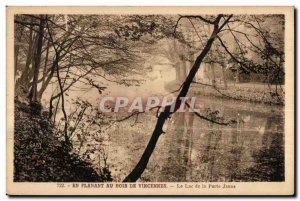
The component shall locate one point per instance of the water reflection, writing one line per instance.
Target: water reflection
(252, 150)
(269, 159)
(195, 150)
(177, 166)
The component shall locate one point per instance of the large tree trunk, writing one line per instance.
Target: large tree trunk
(33, 95)
(44, 80)
(22, 84)
(142, 164)
(17, 42)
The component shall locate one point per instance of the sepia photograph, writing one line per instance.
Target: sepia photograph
(150, 100)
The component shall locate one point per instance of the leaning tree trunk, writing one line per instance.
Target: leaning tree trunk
(142, 164)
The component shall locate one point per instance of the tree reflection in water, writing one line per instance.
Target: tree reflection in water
(252, 150)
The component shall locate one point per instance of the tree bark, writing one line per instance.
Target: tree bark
(22, 84)
(37, 61)
(18, 39)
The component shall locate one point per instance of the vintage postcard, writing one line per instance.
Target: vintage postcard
(150, 101)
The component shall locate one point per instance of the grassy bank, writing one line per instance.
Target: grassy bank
(251, 92)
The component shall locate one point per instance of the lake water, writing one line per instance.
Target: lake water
(195, 150)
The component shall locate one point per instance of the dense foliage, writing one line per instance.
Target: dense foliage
(39, 156)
